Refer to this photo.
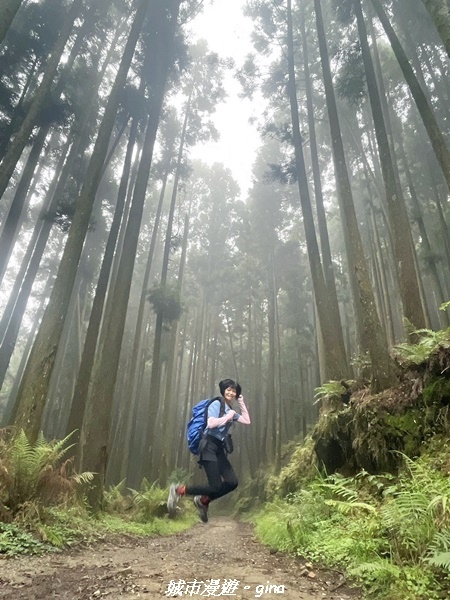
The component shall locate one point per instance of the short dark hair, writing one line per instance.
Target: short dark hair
(226, 383)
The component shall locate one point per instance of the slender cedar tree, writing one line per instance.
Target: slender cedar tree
(403, 244)
(168, 131)
(13, 220)
(79, 139)
(8, 11)
(423, 105)
(370, 334)
(32, 394)
(334, 349)
(11, 158)
(81, 390)
(204, 90)
(97, 418)
(318, 192)
(440, 13)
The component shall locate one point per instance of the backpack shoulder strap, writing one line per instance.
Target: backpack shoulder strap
(222, 407)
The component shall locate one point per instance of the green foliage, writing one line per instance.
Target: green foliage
(33, 476)
(66, 527)
(14, 541)
(179, 474)
(150, 501)
(253, 492)
(391, 535)
(332, 390)
(166, 300)
(142, 513)
(414, 355)
(116, 500)
(301, 469)
(115, 524)
(351, 79)
(437, 390)
(140, 506)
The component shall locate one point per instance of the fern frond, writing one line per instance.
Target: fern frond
(381, 568)
(332, 389)
(441, 560)
(83, 478)
(347, 507)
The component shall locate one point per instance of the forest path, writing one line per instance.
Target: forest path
(130, 567)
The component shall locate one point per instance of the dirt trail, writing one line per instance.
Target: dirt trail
(127, 567)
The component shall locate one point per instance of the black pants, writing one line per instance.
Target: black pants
(221, 476)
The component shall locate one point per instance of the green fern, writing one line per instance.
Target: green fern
(441, 560)
(34, 474)
(349, 507)
(332, 390)
(379, 568)
(439, 550)
(419, 353)
(83, 478)
(150, 501)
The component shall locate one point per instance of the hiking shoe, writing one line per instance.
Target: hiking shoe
(202, 508)
(172, 500)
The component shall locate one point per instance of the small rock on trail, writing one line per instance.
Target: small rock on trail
(222, 559)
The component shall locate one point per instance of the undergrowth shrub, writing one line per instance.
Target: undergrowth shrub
(34, 476)
(252, 493)
(150, 501)
(391, 535)
(301, 469)
(417, 354)
(145, 504)
(14, 541)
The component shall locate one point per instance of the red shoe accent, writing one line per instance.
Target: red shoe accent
(205, 500)
(181, 490)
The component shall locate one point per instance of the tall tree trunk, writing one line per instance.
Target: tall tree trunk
(430, 259)
(11, 158)
(171, 403)
(403, 244)
(318, 193)
(8, 10)
(424, 107)
(13, 314)
(7, 418)
(140, 331)
(370, 334)
(271, 359)
(13, 220)
(155, 381)
(97, 417)
(15, 309)
(440, 13)
(34, 387)
(81, 390)
(336, 363)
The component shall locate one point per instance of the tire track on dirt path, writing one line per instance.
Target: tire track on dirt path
(221, 559)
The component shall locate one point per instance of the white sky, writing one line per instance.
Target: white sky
(227, 32)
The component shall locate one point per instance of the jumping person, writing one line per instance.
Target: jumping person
(221, 476)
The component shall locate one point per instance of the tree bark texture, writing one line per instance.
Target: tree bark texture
(97, 418)
(370, 333)
(32, 394)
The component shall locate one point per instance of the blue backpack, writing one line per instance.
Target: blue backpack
(197, 424)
